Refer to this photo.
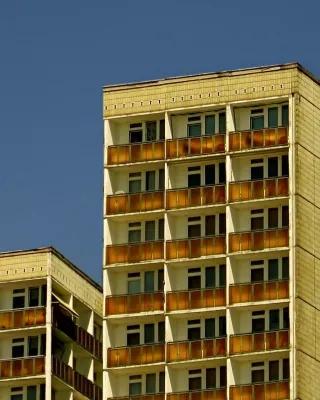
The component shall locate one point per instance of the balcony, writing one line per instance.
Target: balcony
(79, 382)
(206, 394)
(136, 355)
(134, 252)
(22, 318)
(261, 391)
(195, 146)
(194, 197)
(262, 341)
(196, 349)
(258, 189)
(135, 202)
(134, 303)
(258, 291)
(193, 299)
(137, 152)
(196, 247)
(258, 240)
(22, 367)
(255, 139)
(158, 396)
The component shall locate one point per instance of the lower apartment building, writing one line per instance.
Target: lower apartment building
(211, 242)
(50, 328)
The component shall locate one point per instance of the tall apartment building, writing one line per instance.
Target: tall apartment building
(211, 236)
(50, 328)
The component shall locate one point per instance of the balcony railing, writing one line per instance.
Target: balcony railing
(199, 298)
(196, 349)
(197, 196)
(262, 341)
(258, 189)
(252, 139)
(259, 291)
(261, 391)
(258, 240)
(196, 247)
(157, 396)
(134, 252)
(22, 318)
(135, 152)
(136, 355)
(79, 382)
(134, 303)
(194, 146)
(135, 202)
(207, 394)
(21, 367)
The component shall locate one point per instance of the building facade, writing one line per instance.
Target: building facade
(211, 246)
(50, 328)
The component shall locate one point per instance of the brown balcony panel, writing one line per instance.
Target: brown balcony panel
(135, 355)
(207, 394)
(62, 371)
(196, 350)
(197, 247)
(25, 318)
(261, 391)
(193, 146)
(191, 299)
(134, 303)
(258, 240)
(158, 396)
(264, 341)
(137, 152)
(135, 202)
(16, 368)
(252, 139)
(259, 291)
(258, 189)
(198, 196)
(129, 253)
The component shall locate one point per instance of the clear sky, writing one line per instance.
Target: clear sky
(55, 56)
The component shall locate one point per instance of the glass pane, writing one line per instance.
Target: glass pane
(161, 332)
(150, 181)
(194, 282)
(135, 186)
(285, 115)
(210, 174)
(134, 286)
(161, 229)
(222, 122)
(18, 302)
(285, 165)
(257, 275)
(194, 130)
(43, 295)
(285, 267)
(149, 333)
(151, 128)
(150, 383)
(273, 218)
(222, 275)
(258, 325)
(16, 397)
(211, 378)
(160, 279)
(257, 122)
(285, 216)
(42, 391)
(195, 383)
(150, 232)
(161, 382)
(161, 179)
(285, 368)
(210, 331)
(210, 277)
(222, 172)
(134, 236)
(33, 345)
(273, 117)
(135, 136)
(33, 297)
(257, 173)
(209, 124)
(134, 388)
(32, 393)
(272, 167)
(162, 130)
(133, 339)
(273, 270)
(274, 370)
(149, 281)
(286, 321)
(194, 333)
(274, 322)
(17, 351)
(210, 228)
(222, 326)
(223, 376)
(256, 223)
(222, 224)
(257, 375)
(194, 231)
(43, 344)
(194, 180)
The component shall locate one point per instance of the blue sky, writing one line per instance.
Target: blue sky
(55, 58)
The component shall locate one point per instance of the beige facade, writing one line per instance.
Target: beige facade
(210, 236)
(50, 328)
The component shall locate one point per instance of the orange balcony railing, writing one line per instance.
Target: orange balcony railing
(134, 303)
(258, 189)
(190, 299)
(196, 349)
(194, 146)
(21, 367)
(197, 196)
(134, 252)
(261, 391)
(136, 355)
(136, 152)
(207, 394)
(258, 291)
(135, 202)
(251, 139)
(262, 341)
(196, 247)
(157, 396)
(22, 318)
(258, 240)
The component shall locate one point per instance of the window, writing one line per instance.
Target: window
(286, 321)
(134, 233)
(285, 216)
(285, 115)
(43, 391)
(135, 133)
(285, 165)
(274, 370)
(17, 349)
(273, 269)
(272, 167)
(194, 278)
(151, 383)
(256, 219)
(162, 129)
(273, 218)
(273, 117)
(133, 335)
(210, 328)
(18, 298)
(33, 297)
(135, 385)
(222, 326)
(135, 182)
(161, 332)
(257, 372)
(44, 295)
(210, 173)
(222, 122)
(161, 229)
(274, 320)
(210, 277)
(33, 343)
(161, 179)
(211, 382)
(149, 281)
(222, 275)
(160, 279)
(161, 382)
(32, 393)
(194, 329)
(222, 224)
(150, 231)
(222, 172)
(150, 181)
(257, 169)
(257, 119)
(257, 321)
(209, 125)
(134, 283)
(195, 379)
(257, 274)
(194, 177)
(151, 131)
(194, 126)
(194, 227)
(285, 267)
(149, 333)
(16, 393)
(285, 368)
(210, 228)
(223, 376)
